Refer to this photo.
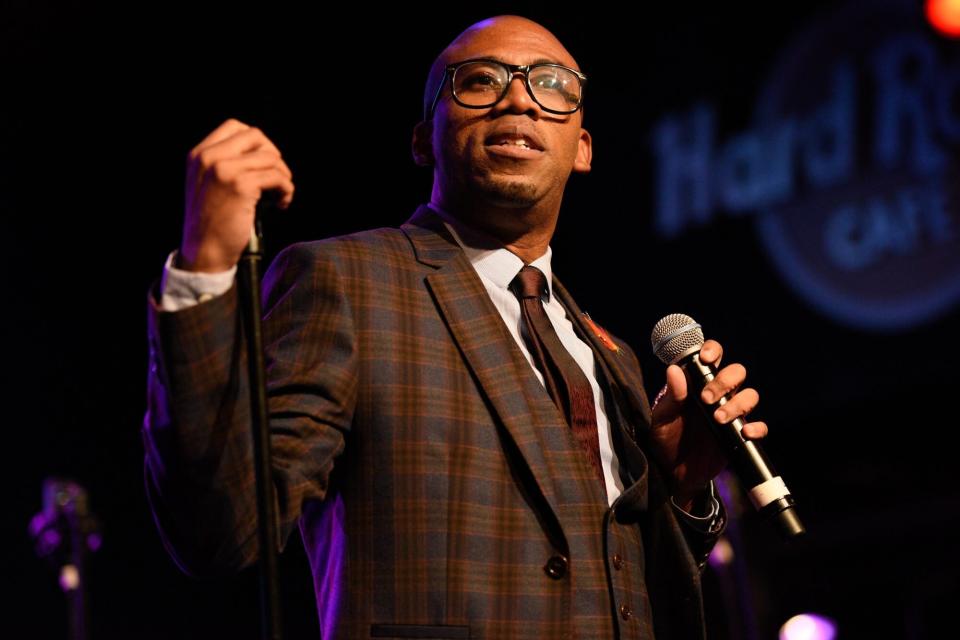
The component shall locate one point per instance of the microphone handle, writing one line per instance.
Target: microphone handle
(767, 491)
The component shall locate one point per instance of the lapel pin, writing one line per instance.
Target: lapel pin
(601, 334)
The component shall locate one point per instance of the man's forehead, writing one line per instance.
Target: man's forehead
(511, 42)
(519, 59)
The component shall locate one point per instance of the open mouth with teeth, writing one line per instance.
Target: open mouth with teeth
(513, 146)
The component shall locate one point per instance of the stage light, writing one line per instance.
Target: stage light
(722, 554)
(808, 626)
(944, 16)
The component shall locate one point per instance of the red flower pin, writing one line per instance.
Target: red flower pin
(601, 334)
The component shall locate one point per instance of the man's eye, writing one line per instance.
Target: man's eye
(481, 81)
(550, 82)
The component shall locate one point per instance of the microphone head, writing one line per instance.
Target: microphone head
(675, 337)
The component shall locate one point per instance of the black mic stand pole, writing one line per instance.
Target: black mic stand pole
(248, 282)
(65, 532)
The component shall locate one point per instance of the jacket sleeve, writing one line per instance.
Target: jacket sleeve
(699, 539)
(198, 465)
(702, 534)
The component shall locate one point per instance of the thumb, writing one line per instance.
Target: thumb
(670, 400)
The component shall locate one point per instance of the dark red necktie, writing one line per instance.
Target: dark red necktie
(563, 377)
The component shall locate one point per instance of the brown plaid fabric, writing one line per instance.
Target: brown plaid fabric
(437, 488)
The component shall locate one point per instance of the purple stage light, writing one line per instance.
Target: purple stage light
(808, 626)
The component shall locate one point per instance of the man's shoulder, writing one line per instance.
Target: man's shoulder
(368, 245)
(363, 256)
(379, 239)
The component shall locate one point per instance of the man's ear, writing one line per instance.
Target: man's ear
(584, 152)
(422, 145)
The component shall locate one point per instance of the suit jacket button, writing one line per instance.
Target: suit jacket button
(556, 566)
(617, 561)
(626, 612)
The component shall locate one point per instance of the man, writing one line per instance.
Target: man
(445, 480)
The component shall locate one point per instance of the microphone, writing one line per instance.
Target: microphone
(677, 339)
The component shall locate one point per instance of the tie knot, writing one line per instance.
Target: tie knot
(530, 283)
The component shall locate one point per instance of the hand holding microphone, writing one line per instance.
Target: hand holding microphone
(677, 340)
(235, 169)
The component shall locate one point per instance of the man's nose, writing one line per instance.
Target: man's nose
(518, 99)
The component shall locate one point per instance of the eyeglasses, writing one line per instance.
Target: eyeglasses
(481, 83)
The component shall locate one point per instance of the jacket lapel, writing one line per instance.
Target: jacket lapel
(531, 419)
(628, 381)
(629, 413)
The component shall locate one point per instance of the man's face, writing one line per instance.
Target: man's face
(475, 151)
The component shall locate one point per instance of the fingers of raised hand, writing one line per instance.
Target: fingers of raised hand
(241, 141)
(226, 129)
(227, 169)
(252, 184)
(249, 162)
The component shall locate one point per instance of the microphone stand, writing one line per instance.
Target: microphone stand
(248, 283)
(65, 532)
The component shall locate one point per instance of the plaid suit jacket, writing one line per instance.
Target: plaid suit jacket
(437, 488)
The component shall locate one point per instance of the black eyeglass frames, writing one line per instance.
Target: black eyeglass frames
(482, 82)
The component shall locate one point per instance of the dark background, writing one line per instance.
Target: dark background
(99, 109)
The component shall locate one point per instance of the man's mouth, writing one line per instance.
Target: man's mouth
(514, 145)
(518, 140)
(523, 143)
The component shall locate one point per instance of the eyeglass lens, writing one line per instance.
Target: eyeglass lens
(481, 84)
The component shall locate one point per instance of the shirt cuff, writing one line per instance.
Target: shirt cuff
(709, 523)
(180, 288)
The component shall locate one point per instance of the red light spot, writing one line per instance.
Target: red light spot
(944, 15)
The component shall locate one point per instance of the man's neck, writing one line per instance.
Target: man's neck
(528, 244)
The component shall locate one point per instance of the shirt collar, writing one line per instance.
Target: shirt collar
(488, 255)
